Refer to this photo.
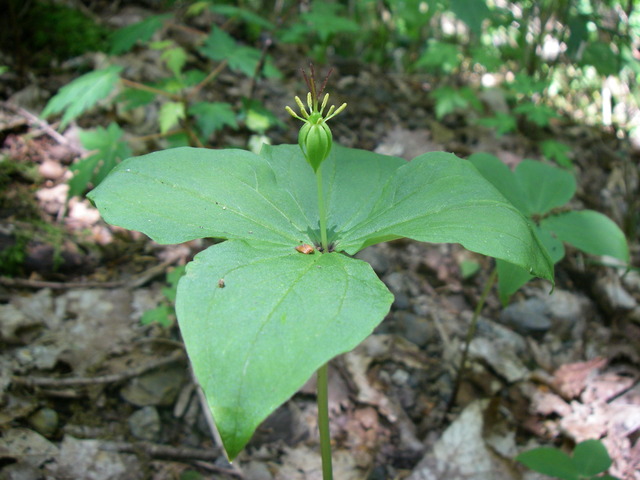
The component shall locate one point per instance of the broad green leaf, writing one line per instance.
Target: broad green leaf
(438, 197)
(258, 320)
(111, 149)
(471, 12)
(494, 170)
(589, 231)
(550, 461)
(543, 186)
(591, 457)
(257, 316)
(125, 38)
(511, 277)
(440, 56)
(212, 116)
(602, 57)
(82, 93)
(185, 193)
(170, 115)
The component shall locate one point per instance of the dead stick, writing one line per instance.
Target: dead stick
(49, 382)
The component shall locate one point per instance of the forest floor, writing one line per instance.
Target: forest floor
(87, 391)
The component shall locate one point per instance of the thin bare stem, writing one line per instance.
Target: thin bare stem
(323, 421)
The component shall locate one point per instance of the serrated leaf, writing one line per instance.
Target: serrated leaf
(111, 148)
(554, 150)
(212, 116)
(82, 93)
(243, 14)
(591, 457)
(279, 317)
(175, 59)
(219, 45)
(502, 122)
(170, 115)
(160, 315)
(538, 114)
(589, 231)
(125, 38)
(327, 19)
(550, 461)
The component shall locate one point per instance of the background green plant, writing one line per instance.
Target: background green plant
(589, 461)
(541, 192)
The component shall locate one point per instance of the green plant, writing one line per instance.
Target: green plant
(540, 192)
(184, 118)
(163, 314)
(590, 459)
(282, 296)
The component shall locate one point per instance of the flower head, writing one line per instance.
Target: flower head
(315, 138)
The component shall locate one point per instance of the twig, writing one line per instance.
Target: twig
(164, 451)
(141, 86)
(49, 382)
(214, 73)
(135, 282)
(33, 119)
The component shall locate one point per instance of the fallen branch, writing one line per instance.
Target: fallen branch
(50, 382)
(136, 281)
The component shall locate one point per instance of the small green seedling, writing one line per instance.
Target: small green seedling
(540, 192)
(164, 314)
(589, 461)
(262, 311)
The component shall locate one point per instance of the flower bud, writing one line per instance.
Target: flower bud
(315, 140)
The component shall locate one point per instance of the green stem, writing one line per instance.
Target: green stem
(323, 421)
(470, 334)
(322, 211)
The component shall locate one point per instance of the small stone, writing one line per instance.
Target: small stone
(44, 421)
(414, 328)
(400, 377)
(144, 424)
(529, 317)
(374, 257)
(159, 387)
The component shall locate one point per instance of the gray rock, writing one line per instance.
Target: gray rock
(159, 387)
(529, 317)
(376, 258)
(144, 424)
(414, 328)
(44, 421)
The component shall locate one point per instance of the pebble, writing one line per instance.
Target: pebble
(529, 317)
(159, 387)
(376, 258)
(44, 421)
(144, 424)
